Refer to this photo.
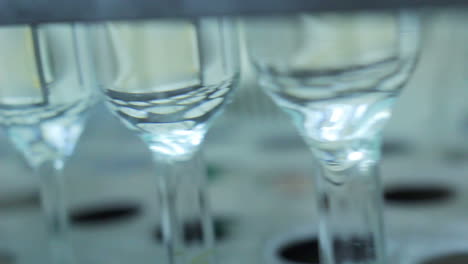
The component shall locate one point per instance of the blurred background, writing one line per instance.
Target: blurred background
(260, 176)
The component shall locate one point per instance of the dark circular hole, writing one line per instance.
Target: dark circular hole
(24, 201)
(455, 156)
(458, 258)
(193, 230)
(6, 258)
(213, 172)
(395, 147)
(307, 250)
(418, 194)
(302, 251)
(103, 214)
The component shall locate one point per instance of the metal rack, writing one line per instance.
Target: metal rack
(36, 11)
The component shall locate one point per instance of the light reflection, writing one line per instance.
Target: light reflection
(337, 115)
(355, 155)
(360, 111)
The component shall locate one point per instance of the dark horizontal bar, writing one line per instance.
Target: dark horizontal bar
(36, 11)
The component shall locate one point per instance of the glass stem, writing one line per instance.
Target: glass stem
(182, 198)
(204, 210)
(53, 193)
(350, 204)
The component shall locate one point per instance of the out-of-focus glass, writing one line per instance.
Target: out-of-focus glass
(46, 86)
(337, 76)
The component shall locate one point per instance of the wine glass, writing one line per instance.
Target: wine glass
(337, 76)
(45, 89)
(167, 80)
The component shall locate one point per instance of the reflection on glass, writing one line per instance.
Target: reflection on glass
(167, 80)
(45, 89)
(337, 76)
